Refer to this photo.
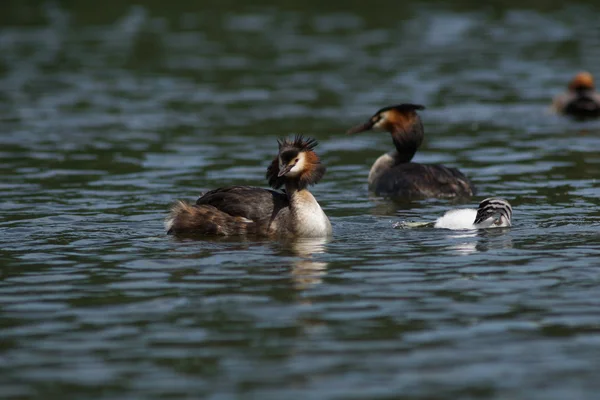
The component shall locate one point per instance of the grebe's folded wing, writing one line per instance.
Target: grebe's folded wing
(245, 201)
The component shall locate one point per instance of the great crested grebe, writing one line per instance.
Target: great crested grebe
(581, 100)
(394, 175)
(492, 212)
(240, 210)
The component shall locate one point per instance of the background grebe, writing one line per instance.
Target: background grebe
(394, 175)
(492, 212)
(239, 210)
(581, 100)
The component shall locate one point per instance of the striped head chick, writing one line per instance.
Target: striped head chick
(492, 212)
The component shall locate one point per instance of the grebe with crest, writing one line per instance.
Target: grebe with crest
(241, 210)
(581, 100)
(492, 212)
(393, 174)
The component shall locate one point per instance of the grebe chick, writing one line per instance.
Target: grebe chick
(491, 213)
(240, 210)
(394, 175)
(581, 100)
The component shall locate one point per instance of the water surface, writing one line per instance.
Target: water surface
(110, 113)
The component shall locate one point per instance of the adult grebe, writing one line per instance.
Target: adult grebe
(581, 100)
(492, 212)
(240, 210)
(394, 175)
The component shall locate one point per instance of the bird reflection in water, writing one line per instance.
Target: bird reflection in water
(305, 270)
(479, 241)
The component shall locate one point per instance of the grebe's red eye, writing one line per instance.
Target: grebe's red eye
(297, 159)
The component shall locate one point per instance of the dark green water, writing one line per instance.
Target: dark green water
(109, 111)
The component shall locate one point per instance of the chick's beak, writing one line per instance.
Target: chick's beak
(284, 169)
(361, 128)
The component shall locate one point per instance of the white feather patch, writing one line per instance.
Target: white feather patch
(457, 219)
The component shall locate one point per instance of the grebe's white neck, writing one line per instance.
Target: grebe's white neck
(382, 164)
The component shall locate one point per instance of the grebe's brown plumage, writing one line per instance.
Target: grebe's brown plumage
(581, 100)
(241, 210)
(393, 174)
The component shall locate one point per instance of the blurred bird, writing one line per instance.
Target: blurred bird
(581, 100)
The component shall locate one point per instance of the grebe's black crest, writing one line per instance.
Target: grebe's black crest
(299, 151)
(390, 118)
(491, 207)
(300, 143)
(405, 107)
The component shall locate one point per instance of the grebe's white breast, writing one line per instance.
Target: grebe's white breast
(457, 219)
(382, 164)
(310, 219)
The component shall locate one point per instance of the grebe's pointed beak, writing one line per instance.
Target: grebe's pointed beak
(361, 128)
(284, 169)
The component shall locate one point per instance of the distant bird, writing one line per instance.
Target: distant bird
(491, 213)
(241, 210)
(393, 174)
(581, 100)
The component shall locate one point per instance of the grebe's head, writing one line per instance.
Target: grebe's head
(582, 81)
(393, 118)
(404, 124)
(296, 160)
(493, 212)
